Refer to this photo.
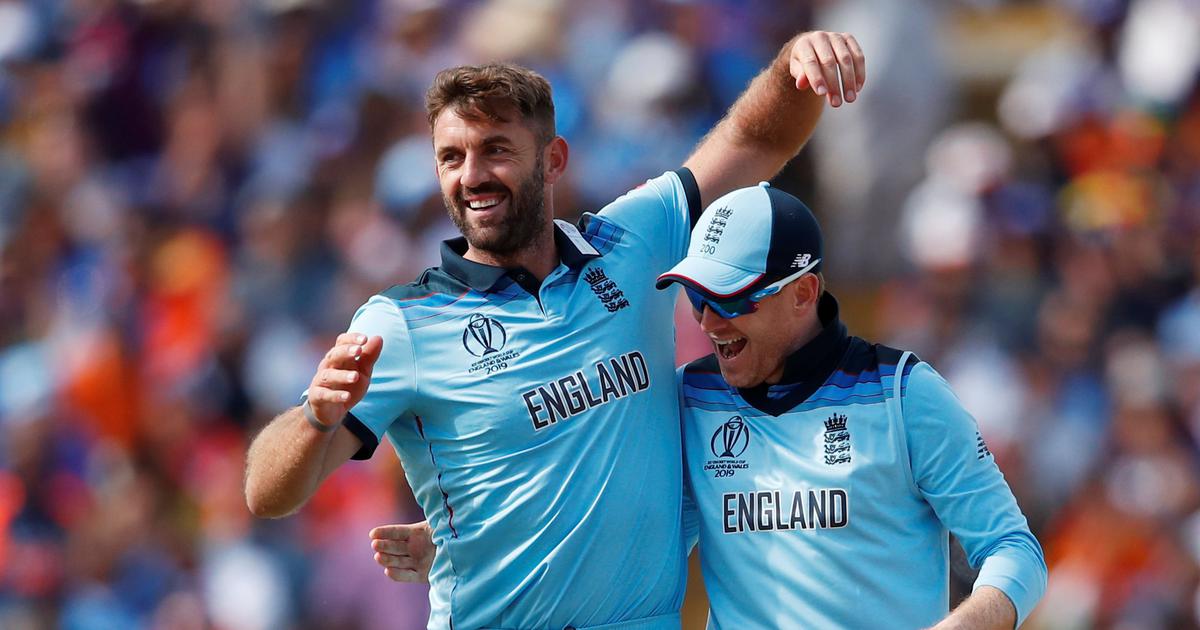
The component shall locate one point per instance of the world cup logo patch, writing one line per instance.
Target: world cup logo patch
(727, 444)
(731, 436)
(485, 337)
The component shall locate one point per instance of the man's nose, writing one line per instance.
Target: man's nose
(710, 322)
(473, 172)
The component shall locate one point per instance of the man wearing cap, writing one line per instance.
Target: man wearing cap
(825, 486)
(822, 487)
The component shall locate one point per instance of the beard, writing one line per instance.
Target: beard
(521, 224)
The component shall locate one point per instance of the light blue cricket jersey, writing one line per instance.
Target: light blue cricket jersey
(826, 501)
(538, 424)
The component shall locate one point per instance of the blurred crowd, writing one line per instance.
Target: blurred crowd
(195, 196)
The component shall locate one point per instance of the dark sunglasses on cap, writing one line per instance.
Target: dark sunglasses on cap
(736, 307)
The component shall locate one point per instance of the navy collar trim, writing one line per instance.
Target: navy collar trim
(573, 249)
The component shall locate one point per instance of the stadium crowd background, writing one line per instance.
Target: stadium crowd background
(195, 195)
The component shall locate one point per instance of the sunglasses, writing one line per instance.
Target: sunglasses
(736, 307)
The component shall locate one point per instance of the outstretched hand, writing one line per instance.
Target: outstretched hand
(404, 551)
(343, 375)
(820, 58)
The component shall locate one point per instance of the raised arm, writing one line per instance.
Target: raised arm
(300, 448)
(774, 117)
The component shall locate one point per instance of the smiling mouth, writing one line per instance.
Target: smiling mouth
(484, 204)
(730, 348)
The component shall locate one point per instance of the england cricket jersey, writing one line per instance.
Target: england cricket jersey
(538, 422)
(826, 501)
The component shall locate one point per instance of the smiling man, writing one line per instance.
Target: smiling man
(825, 472)
(527, 383)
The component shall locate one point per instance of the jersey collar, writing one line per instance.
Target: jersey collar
(573, 249)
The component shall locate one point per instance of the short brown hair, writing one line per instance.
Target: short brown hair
(489, 90)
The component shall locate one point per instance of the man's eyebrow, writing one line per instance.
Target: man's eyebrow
(497, 139)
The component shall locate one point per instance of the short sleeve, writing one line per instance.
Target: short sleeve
(956, 473)
(394, 379)
(661, 213)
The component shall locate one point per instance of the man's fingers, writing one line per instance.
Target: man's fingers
(371, 350)
(820, 66)
(828, 67)
(832, 64)
(330, 377)
(403, 575)
(390, 532)
(810, 68)
(393, 547)
(393, 561)
(320, 395)
(342, 355)
(797, 69)
(845, 64)
(350, 338)
(860, 61)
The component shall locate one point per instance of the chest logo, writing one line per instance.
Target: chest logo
(728, 443)
(729, 437)
(837, 441)
(607, 291)
(484, 337)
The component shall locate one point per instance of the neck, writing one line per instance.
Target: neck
(539, 257)
(810, 330)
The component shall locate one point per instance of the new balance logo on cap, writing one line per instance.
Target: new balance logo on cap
(801, 261)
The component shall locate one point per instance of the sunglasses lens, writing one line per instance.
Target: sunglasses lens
(725, 309)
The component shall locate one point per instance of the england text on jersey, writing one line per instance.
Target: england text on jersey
(571, 395)
(765, 510)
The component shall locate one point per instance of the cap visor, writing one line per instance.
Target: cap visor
(712, 277)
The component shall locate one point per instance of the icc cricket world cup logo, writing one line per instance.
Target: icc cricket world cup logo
(483, 336)
(731, 439)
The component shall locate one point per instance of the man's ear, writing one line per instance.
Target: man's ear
(806, 292)
(555, 156)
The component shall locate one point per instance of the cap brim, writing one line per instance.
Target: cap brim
(712, 277)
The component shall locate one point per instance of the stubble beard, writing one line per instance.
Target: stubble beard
(519, 228)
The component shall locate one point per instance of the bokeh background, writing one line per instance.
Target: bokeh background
(195, 195)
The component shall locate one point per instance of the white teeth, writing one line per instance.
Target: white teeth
(480, 205)
(727, 342)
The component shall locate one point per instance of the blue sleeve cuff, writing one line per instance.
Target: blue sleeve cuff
(1022, 580)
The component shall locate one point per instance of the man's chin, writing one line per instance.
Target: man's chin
(497, 241)
(732, 377)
